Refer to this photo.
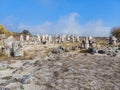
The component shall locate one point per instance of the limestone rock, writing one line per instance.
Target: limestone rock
(18, 49)
(26, 79)
(3, 66)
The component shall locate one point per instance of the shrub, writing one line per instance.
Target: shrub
(115, 31)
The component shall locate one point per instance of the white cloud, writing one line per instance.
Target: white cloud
(69, 24)
(96, 28)
(23, 26)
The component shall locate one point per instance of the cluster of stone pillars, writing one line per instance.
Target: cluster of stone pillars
(16, 48)
(51, 39)
(87, 42)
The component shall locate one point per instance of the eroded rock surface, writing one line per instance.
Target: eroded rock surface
(62, 71)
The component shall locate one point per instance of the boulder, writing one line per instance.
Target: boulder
(91, 50)
(101, 52)
(18, 49)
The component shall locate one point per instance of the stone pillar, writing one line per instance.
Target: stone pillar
(7, 46)
(86, 43)
(63, 38)
(18, 49)
(50, 39)
(73, 38)
(43, 38)
(68, 38)
(6, 51)
(46, 37)
(78, 39)
(21, 38)
(38, 38)
(27, 38)
(112, 40)
(59, 39)
(90, 39)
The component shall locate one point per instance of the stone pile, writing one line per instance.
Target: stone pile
(111, 48)
(112, 51)
(106, 50)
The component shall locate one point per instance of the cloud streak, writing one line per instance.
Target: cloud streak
(68, 24)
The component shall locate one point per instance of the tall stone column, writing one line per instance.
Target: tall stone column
(86, 43)
(21, 38)
(112, 40)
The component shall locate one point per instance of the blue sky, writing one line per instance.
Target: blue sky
(84, 17)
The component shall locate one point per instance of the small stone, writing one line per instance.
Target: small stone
(3, 66)
(26, 63)
(56, 50)
(26, 79)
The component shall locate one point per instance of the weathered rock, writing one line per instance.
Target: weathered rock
(21, 38)
(7, 45)
(15, 86)
(26, 63)
(101, 52)
(57, 50)
(18, 70)
(7, 82)
(37, 63)
(18, 49)
(112, 40)
(26, 79)
(4, 88)
(91, 50)
(3, 66)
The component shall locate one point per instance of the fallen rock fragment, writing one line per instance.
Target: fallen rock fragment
(26, 79)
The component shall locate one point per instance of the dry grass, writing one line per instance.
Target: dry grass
(29, 55)
(1, 55)
(4, 57)
(83, 51)
(1, 42)
(69, 44)
(101, 41)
